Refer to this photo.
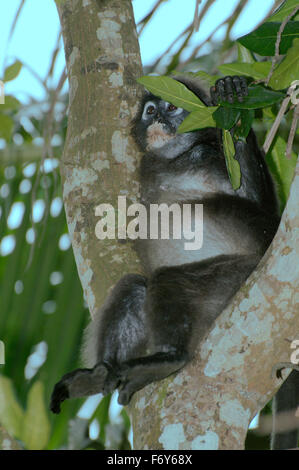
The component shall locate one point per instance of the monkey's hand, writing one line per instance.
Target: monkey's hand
(276, 371)
(82, 383)
(227, 88)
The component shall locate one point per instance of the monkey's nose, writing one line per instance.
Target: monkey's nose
(160, 120)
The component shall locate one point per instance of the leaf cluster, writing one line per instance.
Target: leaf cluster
(238, 117)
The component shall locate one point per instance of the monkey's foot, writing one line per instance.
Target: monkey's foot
(82, 383)
(137, 373)
(226, 88)
(276, 370)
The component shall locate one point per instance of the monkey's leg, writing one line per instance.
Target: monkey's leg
(117, 334)
(181, 304)
(170, 318)
(137, 373)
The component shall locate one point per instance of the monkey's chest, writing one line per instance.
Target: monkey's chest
(183, 233)
(183, 227)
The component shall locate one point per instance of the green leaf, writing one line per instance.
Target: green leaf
(287, 70)
(11, 413)
(258, 97)
(261, 69)
(237, 68)
(232, 165)
(6, 126)
(209, 79)
(12, 71)
(36, 428)
(285, 10)
(226, 118)
(258, 70)
(246, 119)
(244, 55)
(172, 91)
(263, 39)
(282, 168)
(198, 120)
(11, 103)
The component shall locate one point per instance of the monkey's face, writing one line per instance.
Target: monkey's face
(162, 120)
(155, 128)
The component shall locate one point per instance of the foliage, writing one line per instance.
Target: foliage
(10, 105)
(263, 40)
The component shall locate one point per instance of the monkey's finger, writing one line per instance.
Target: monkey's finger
(214, 95)
(244, 86)
(220, 87)
(240, 88)
(229, 89)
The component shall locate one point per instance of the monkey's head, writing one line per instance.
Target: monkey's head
(155, 125)
(155, 128)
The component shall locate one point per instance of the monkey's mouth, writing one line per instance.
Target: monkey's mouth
(157, 135)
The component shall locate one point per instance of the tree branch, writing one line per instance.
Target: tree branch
(210, 403)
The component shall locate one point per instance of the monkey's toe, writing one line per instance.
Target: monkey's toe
(124, 396)
(60, 393)
(278, 368)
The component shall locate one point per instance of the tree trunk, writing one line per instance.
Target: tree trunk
(100, 158)
(210, 403)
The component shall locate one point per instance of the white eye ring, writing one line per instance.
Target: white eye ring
(175, 112)
(145, 113)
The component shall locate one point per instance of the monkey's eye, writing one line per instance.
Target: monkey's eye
(171, 107)
(150, 109)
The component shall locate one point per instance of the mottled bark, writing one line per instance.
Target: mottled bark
(100, 158)
(7, 442)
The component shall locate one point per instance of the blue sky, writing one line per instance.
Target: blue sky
(37, 30)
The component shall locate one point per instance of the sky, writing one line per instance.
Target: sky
(37, 30)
